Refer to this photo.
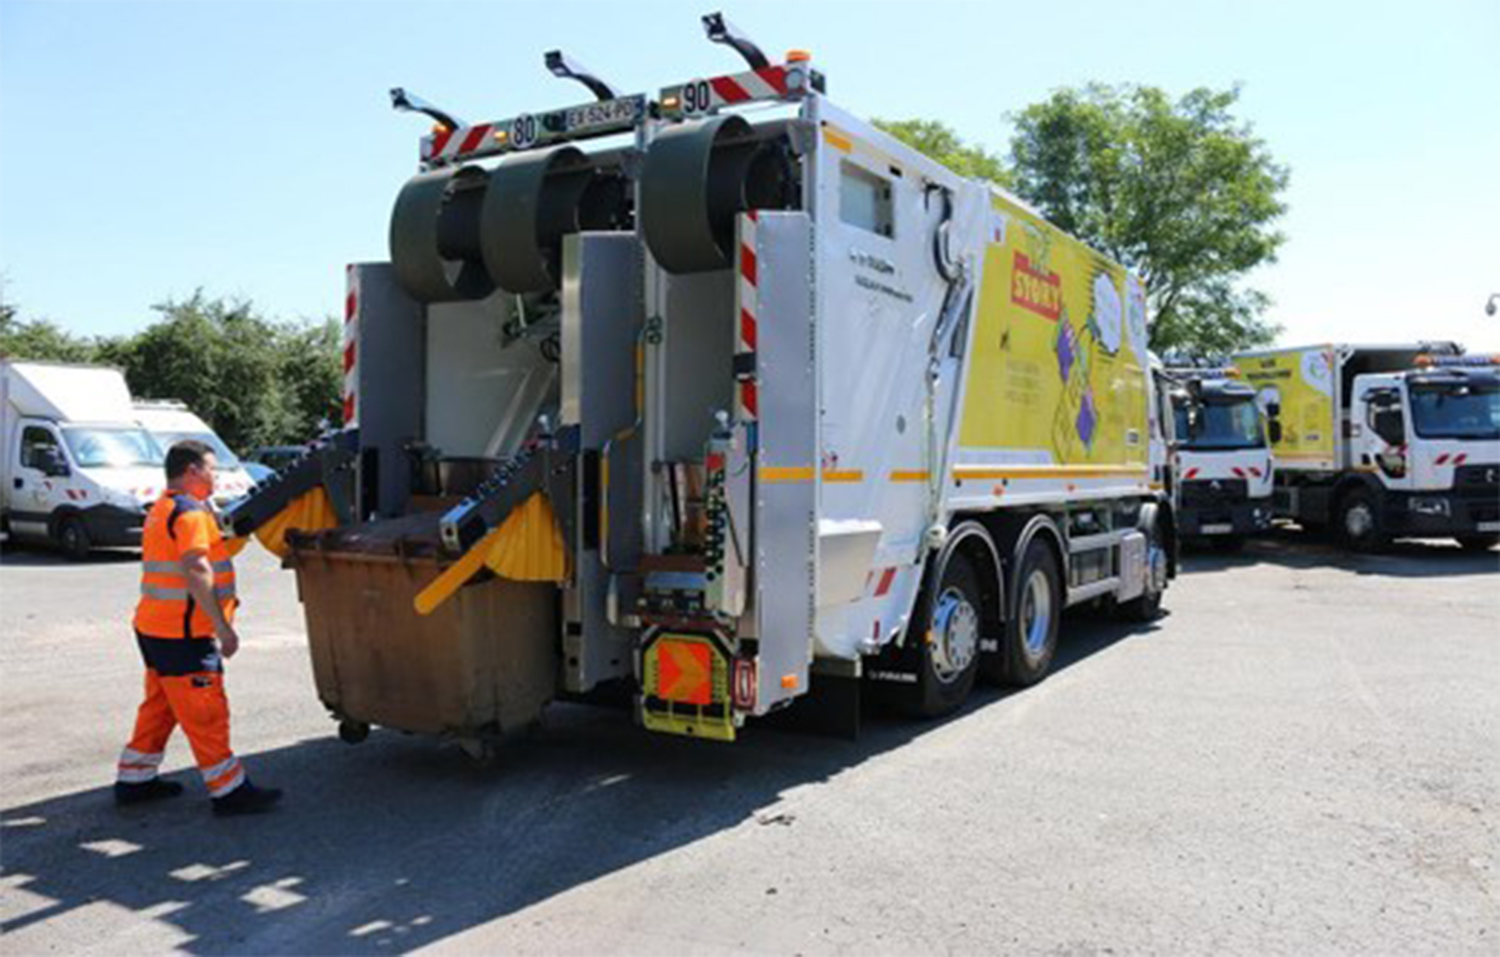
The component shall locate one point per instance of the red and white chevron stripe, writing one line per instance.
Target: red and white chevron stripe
(747, 295)
(351, 345)
(767, 83)
(446, 146)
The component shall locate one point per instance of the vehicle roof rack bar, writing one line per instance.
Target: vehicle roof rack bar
(720, 30)
(570, 69)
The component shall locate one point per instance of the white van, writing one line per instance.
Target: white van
(170, 421)
(76, 469)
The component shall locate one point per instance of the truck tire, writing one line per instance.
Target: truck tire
(1358, 522)
(73, 538)
(947, 647)
(1031, 628)
(1477, 543)
(1147, 606)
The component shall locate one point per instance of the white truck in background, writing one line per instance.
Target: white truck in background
(77, 470)
(170, 421)
(1380, 442)
(1221, 456)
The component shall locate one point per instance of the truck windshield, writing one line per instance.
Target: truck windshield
(1448, 413)
(226, 458)
(111, 448)
(1222, 425)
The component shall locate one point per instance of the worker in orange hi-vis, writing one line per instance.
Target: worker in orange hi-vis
(183, 625)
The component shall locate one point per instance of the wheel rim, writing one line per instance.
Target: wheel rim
(1156, 557)
(955, 634)
(1036, 613)
(1359, 520)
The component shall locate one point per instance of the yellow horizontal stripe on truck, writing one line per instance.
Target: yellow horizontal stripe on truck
(967, 473)
(786, 473)
(910, 475)
(843, 475)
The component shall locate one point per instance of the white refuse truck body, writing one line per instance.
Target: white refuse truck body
(78, 470)
(1382, 441)
(1221, 456)
(808, 411)
(171, 421)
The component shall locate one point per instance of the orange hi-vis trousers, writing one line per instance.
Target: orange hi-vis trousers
(184, 685)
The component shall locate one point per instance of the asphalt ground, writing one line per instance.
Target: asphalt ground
(1302, 756)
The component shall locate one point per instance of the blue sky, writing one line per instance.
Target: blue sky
(147, 149)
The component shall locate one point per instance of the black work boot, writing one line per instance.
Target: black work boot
(139, 792)
(246, 799)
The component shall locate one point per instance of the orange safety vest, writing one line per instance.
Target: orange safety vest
(167, 609)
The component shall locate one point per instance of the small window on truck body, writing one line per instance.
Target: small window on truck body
(865, 200)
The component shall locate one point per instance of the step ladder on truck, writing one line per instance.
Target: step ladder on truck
(719, 397)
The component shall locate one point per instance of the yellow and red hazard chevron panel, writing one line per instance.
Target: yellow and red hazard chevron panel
(685, 686)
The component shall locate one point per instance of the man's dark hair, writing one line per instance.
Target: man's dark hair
(185, 453)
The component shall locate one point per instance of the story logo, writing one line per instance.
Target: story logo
(1037, 290)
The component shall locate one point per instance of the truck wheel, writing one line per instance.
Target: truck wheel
(1358, 524)
(1478, 543)
(1147, 605)
(73, 538)
(1031, 629)
(353, 732)
(948, 645)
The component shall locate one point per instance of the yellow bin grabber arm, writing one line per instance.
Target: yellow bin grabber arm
(527, 547)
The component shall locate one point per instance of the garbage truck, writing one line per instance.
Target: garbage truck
(1384, 441)
(1221, 456)
(714, 401)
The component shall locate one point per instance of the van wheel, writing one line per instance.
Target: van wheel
(948, 645)
(1358, 524)
(1031, 629)
(73, 538)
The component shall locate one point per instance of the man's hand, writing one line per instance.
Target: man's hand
(229, 640)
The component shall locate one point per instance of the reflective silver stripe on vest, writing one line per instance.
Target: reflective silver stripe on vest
(163, 593)
(162, 568)
(224, 566)
(224, 591)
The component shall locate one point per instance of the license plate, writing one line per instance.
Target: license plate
(1489, 526)
(1217, 529)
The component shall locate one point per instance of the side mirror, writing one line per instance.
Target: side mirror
(51, 462)
(1273, 431)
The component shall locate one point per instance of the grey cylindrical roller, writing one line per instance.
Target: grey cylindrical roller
(691, 187)
(531, 203)
(435, 236)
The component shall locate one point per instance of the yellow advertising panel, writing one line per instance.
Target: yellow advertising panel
(1301, 381)
(1060, 349)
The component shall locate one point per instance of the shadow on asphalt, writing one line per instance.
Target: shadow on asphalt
(1294, 548)
(399, 842)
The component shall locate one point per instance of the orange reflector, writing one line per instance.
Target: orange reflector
(684, 671)
(438, 129)
(670, 102)
(789, 681)
(501, 135)
(798, 56)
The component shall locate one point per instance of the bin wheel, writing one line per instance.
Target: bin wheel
(483, 752)
(353, 732)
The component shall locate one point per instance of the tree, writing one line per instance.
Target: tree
(40, 339)
(944, 145)
(1183, 193)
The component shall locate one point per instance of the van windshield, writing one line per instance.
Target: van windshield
(1449, 413)
(111, 448)
(226, 459)
(1222, 425)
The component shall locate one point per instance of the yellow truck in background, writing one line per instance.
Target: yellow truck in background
(1379, 442)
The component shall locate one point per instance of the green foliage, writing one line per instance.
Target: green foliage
(256, 381)
(1182, 192)
(944, 145)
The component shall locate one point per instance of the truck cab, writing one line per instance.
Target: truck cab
(1430, 438)
(1221, 456)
